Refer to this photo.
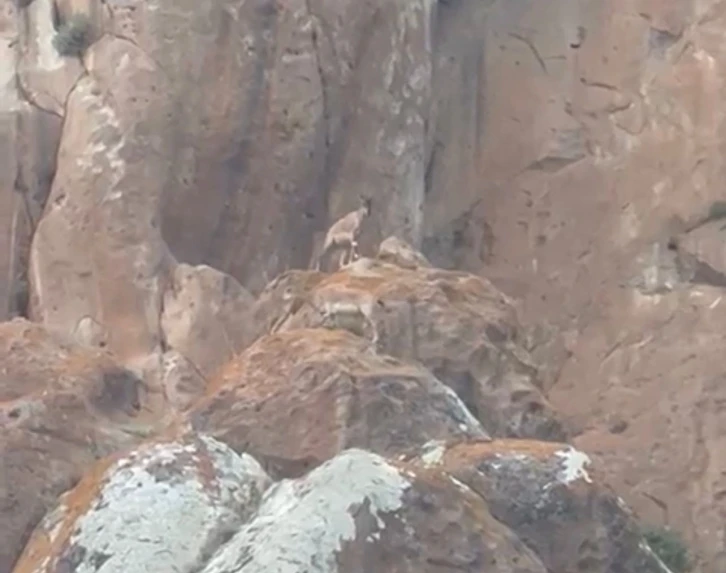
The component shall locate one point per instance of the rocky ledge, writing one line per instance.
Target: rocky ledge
(382, 417)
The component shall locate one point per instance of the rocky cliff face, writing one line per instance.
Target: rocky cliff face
(556, 168)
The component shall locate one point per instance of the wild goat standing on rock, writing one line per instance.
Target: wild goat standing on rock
(343, 234)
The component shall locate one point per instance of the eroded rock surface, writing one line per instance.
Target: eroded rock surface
(167, 505)
(297, 398)
(552, 500)
(545, 145)
(359, 512)
(29, 137)
(205, 317)
(476, 506)
(97, 252)
(462, 328)
(61, 408)
(395, 250)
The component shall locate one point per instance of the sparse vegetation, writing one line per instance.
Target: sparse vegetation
(669, 547)
(716, 211)
(73, 35)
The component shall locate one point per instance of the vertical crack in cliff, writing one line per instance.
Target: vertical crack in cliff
(478, 95)
(235, 167)
(532, 49)
(324, 87)
(341, 98)
(350, 97)
(24, 221)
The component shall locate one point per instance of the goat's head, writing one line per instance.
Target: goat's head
(365, 204)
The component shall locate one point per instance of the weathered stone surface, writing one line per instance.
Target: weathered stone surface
(281, 298)
(304, 106)
(205, 316)
(61, 408)
(661, 391)
(551, 144)
(458, 325)
(568, 137)
(46, 77)
(546, 494)
(296, 399)
(98, 251)
(28, 140)
(397, 251)
(166, 506)
(358, 512)
(182, 383)
(704, 247)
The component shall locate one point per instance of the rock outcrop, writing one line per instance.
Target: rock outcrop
(570, 152)
(205, 317)
(463, 329)
(61, 409)
(167, 505)
(192, 503)
(547, 495)
(315, 444)
(295, 399)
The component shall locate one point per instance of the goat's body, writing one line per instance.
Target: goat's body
(343, 235)
(336, 307)
(347, 309)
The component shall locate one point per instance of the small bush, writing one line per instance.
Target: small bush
(669, 547)
(717, 210)
(73, 36)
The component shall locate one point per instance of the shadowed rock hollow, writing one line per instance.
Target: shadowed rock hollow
(547, 212)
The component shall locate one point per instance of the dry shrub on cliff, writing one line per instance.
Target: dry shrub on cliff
(73, 35)
(669, 547)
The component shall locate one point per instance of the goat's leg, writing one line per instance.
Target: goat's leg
(354, 255)
(374, 331)
(319, 259)
(342, 258)
(350, 253)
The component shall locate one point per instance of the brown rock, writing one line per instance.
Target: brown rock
(705, 246)
(458, 325)
(98, 251)
(552, 143)
(45, 76)
(199, 503)
(545, 494)
(295, 399)
(660, 368)
(575, 134)
(305, 106)
(398, 252)
(28, 140)
(282, 298)
(61, 408)
(205, 316)
(181, 381)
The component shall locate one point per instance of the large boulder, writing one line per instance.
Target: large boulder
(462, 328)
(548, 495)
(359, 512)
(167, 505)
(204, 316)
(297, 398)
(62, 407)
(191, 503)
